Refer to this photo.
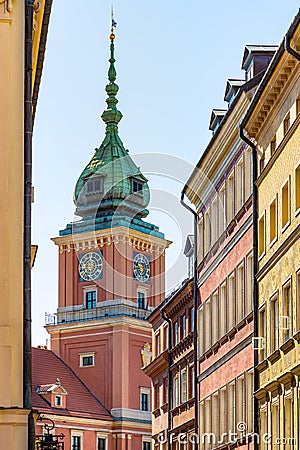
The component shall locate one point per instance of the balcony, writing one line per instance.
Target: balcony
(100, 312)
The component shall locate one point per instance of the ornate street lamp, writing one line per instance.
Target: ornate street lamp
(49, 441)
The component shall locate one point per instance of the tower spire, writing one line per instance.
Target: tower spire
(111, 115)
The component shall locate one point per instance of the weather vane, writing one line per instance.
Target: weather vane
(113, 23)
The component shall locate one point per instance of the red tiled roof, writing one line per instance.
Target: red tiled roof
(46, 368)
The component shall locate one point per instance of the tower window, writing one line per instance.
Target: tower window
(137, 186)
(91, 299)
(141, 300)
(95, 184)
(87, 360)
(145, 400)
(101, 444)
(146, 445)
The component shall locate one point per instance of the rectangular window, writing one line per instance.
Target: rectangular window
(240, 312)
(157, 343)
(175, 392)
(273, 220)
(223, 414)
(146, 445)
(200, 240)
(262, 333)
(201, 332)
(215, 316)
(273, 145)
(286, 124)
(223, 309)
(141, 300)
(262, 163)
(87, 360)
(76, 442)
(248, 173)
(145, 403)
(156, 396)
(261, 236)
(207, 321)
(287, 312)
(285, 204)
(207, 418)
(249, 282)
(215, 415)
(239, 184)
(137, 186)
(214, 222)
(240, 404)
(91, 299)
(249, 401)
(207, 232)
(58, 400)
(289, 431)
(297, 187)
(222, 211)
(274, 323)
(176, 333)
(183, 326)
(231, 406)
(183, 386)
(95, 184)
(165, 338)
(230, 197)
(231, 301)
(192, 319)
(101, 444)
(165, 391)
(275, 424)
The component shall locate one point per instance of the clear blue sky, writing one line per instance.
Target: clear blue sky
(173, 60)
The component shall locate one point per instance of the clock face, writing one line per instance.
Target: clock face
(90, 266)
(141, 267)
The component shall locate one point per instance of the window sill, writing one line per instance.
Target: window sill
(275, 356)
(287, 345)
(261, 366)
(273, 241)
(297, 212)
(285, 226)
(260, 257)
(164, 407)
(297, 336)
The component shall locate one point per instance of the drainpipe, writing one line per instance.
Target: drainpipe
(255, 270)
(195, 337)
(288, 48)
(27, 369)
(169, 376)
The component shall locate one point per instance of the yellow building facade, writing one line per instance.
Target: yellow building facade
(13, 415)
(272, 124)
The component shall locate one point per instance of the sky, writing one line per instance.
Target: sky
(173, 60)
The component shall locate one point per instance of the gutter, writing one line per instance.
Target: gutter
(255, 270)
(195, 337)
(27, 353)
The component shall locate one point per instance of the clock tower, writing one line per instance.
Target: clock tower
(111, 276)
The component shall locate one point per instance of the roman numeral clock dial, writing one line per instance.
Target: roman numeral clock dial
(141, 268)
(90, 266)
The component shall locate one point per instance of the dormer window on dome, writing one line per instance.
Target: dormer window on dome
(95, 184)
(137, 186)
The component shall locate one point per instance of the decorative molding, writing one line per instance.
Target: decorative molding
(7, 5)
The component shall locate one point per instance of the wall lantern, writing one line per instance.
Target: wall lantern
(49, 441)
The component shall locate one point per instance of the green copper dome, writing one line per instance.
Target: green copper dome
(111, 183)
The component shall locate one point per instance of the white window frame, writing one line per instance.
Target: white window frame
(86, 289)
(58, 396)
(102, 436)
(86, 354)
(144, 390)
(75, 433)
